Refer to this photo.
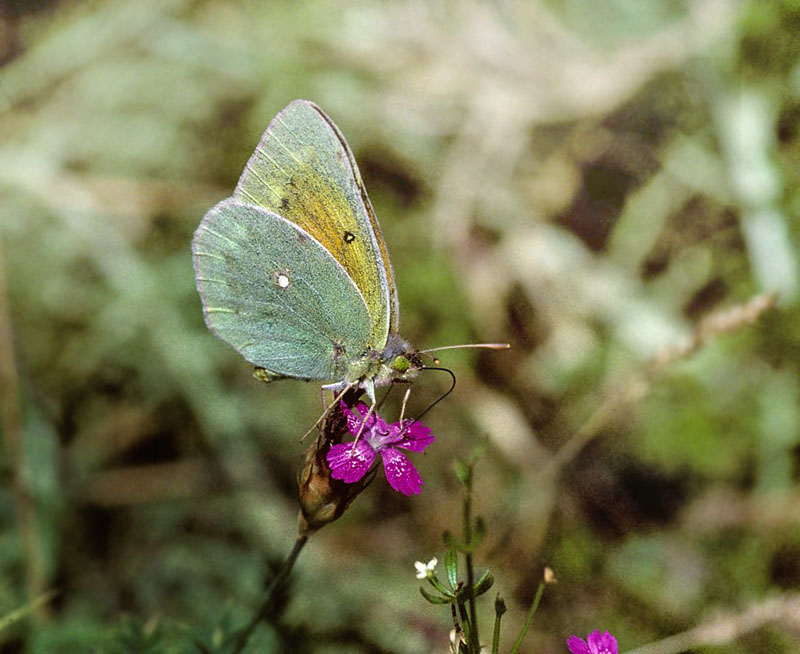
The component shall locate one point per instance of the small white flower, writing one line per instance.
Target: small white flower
(425, 569)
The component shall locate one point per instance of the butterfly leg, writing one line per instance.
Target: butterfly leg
(267, 376)
(361, 428)
(369, 388)
(328, 408)
(403, 406)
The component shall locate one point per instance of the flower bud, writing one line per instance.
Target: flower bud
(323, 499)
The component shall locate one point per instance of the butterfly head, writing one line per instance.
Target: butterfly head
(401, 364)
(397, 362)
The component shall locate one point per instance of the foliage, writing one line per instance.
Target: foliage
(589, 182)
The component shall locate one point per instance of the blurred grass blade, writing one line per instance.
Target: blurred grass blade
(23, 611)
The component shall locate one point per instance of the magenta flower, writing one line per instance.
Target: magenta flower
(595, 643)
(350, 463)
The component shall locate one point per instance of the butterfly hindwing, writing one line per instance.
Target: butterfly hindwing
(304, 171)
(274, 293)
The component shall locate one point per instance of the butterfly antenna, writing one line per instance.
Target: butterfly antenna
(486, 346)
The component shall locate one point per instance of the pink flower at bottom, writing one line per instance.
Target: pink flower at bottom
(351, 461)
(595, 643)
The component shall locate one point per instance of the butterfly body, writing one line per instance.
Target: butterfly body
(292, 269)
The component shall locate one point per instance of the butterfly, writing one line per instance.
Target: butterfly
(292, 269)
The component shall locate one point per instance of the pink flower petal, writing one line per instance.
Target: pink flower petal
(355, 417)
(350, 463)
(415, 438)
(578, 645)
(400, 472)
(603, 643)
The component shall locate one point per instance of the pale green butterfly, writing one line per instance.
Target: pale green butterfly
(292, 269)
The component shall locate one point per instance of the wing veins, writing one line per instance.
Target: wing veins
(324, 306)
(266, 184)
(279, 142)
(277, 166)
(253, 201)
(208, 254)
(287, 306)
(206, 228)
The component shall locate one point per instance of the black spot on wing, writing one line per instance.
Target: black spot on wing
(349, 237)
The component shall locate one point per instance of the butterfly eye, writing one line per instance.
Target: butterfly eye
(401, 363)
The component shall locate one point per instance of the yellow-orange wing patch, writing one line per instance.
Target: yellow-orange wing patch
(303, 170)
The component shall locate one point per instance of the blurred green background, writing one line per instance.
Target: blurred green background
(587, 181)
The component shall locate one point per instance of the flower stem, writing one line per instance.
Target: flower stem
(269, 595)
(529, 618)
(499, 609)
(472, 635)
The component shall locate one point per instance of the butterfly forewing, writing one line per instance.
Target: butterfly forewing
(274, 293)
(304, 171)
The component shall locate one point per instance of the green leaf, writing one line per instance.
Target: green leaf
(440, 587)
(451, 565)
(454, 543)
(480, 532)
(479, 588)
(435, 599)
(483, 584)
(133, 636)
(463, 473)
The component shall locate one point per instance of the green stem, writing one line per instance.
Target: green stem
(529, 618)
(455, 612)
(496, 634)
(474, 641)
(17, 460)
(465, 626)
(269, 595)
